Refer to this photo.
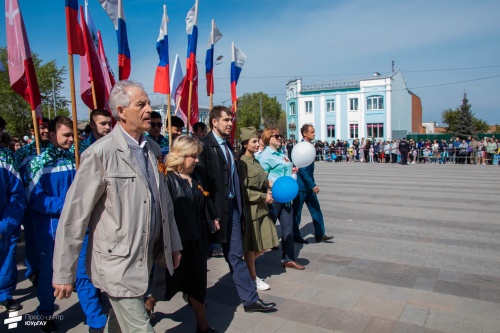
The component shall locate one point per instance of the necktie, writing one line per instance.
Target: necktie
(230, 168)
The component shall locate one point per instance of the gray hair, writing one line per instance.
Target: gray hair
(119, 97)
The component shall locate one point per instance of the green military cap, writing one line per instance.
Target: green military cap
(247, 133)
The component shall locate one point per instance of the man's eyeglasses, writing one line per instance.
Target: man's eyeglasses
(159, 124)
(277, 136)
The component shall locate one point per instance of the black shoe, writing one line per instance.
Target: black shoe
(260, 306)
(323, 238)
(275, 248)
(300, 240)
(216, 253)
(210, 330)
(49, 327)
(10, 305)
(34, 279)
(96, 330)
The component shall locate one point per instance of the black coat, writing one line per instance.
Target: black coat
(193, 218)
(214, 174)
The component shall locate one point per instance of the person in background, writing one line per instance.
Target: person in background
(308, 194)
(100, 125)
(261, 233)
(200, 130)
(12, 206)
(194, 215)
(154, 132)
(15, 144)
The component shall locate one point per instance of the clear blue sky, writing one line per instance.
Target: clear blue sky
(442, 47)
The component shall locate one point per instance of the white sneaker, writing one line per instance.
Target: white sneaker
(261, 285)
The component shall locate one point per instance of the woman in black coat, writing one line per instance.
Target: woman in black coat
(195, 217)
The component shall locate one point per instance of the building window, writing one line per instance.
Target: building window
(309, 107)
(375, 130)
(353, 104)
(375, 103)
(330, 131)
(292, 109)
(353, 131)
(330, 105)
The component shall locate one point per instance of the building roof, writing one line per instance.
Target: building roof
(342, 84)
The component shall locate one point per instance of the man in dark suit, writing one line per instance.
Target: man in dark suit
(219, 174)
(308, 191)
(403, 149)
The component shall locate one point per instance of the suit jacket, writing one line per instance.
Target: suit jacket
(110, 196)
(213, 171)
(305, 178)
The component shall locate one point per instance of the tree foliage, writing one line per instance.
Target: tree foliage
(16, 111)
(462, 122)
(249, 111)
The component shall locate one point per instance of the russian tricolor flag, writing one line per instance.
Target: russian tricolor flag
(215, 35)
(192, 31)
(238, 60)
(162, 80)
(115, 11)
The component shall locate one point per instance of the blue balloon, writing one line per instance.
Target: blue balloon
(285, 189)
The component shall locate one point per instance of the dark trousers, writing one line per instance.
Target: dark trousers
(233, 253)
(394, 158)
(311, 200)
(404, 158)
(284, 213)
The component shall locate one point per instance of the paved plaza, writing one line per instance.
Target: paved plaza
(416, 249)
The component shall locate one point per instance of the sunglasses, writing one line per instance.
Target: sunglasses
(277, 136)
(159, 124)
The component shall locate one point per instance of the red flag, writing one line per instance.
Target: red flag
(183, 91)
(90, 70)
(73, 30)
(21, 69)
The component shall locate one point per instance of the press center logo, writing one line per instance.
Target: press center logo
(13, 319)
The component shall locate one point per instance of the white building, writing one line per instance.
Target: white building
(379, 107)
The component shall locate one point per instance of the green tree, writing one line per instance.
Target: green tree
(16, 111)
(462, 122)
(249, 111)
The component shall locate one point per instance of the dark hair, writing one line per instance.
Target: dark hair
(5, 139)
(55, 123)
(98, 112)
(176, 122)
(199, 126)
(216, 113)
(155, 114)
(44, 120)
(87, 129)
(243, 148)
(3, 123)
(13, 142)
(305, 128)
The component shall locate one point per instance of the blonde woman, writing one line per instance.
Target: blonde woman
(261, 233)
(195, 217)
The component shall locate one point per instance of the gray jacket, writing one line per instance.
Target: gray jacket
(110, 196)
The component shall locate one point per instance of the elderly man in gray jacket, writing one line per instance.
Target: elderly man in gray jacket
(120, 194)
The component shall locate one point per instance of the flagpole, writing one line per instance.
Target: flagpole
(189, 105)
(169, 119)
(73, 110)
(94, 97)
(37, 132)
(211, 101)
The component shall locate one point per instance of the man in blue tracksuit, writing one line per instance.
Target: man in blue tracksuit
(48, 178)
(12, 206)
(23, 157)
(88, 295)
(308, 191)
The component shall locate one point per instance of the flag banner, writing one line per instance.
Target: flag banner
(115, 11)
(215, 35)
(162, 79)
(91, 70)
(73, 30)
(192, 31)
(176, 79)
(184, 94)
(237, 63)
(109, 80)
(21, 69)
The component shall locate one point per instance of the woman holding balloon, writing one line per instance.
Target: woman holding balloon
(277, 165)
(261, 233)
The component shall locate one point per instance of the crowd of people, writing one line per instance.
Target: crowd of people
(485, 151)
(136, 220)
